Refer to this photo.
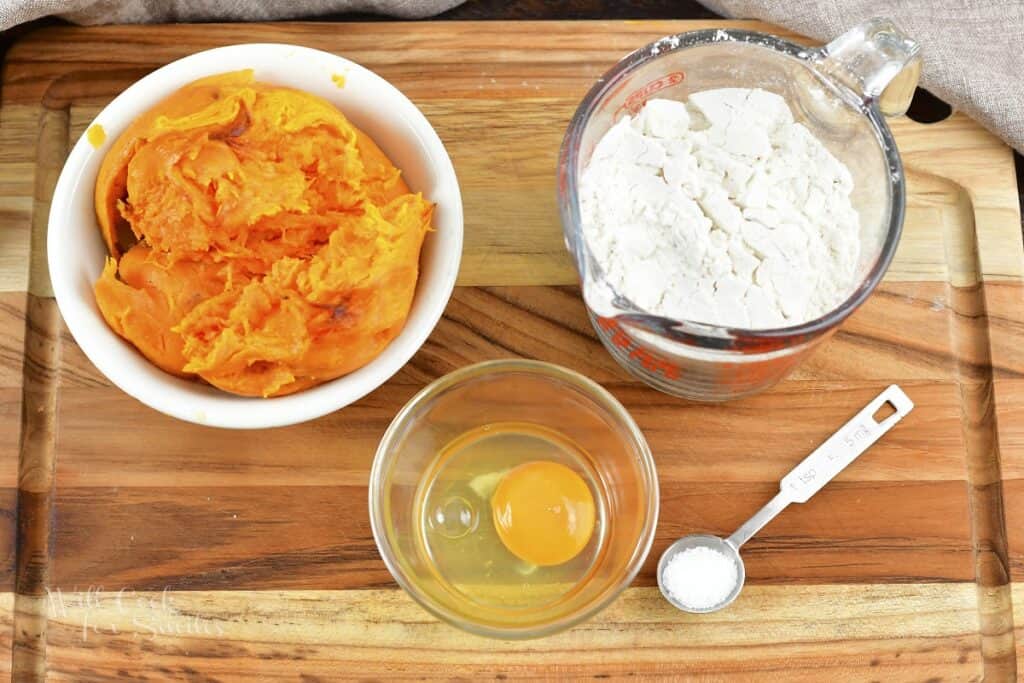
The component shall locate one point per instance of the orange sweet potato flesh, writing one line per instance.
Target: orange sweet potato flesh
(258, 241)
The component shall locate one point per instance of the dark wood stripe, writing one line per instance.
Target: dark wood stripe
(39, 414)
(972, 349)
(35, 487)
(691, 442)
(1013, 500)
(900, 334)
(318, 537)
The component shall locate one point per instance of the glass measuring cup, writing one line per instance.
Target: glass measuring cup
(841, 92)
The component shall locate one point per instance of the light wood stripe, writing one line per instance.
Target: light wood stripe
(816, 633)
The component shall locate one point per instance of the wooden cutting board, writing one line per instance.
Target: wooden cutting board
(134, 544)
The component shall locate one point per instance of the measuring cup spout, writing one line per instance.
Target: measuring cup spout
(876, 62)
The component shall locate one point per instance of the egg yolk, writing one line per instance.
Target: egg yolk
(543, 513)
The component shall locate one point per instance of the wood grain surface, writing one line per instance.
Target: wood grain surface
(135, 546)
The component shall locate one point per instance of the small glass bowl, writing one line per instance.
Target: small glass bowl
(540, 394)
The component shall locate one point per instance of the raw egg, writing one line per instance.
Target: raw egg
(543, 512)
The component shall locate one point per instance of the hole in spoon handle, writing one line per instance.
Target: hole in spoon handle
(843, 447)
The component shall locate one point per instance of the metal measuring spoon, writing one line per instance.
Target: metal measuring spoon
(806, 479)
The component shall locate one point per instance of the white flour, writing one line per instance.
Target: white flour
(721, 210)
(700, 577)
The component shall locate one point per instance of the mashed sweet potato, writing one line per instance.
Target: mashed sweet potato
(258, 240)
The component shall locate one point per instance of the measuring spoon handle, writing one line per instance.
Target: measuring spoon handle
(843, 447)
(829, 459)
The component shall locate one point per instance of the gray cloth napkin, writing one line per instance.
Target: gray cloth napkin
(972, 49)
(92, 12)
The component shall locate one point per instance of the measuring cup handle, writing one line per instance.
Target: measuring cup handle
(877, 62)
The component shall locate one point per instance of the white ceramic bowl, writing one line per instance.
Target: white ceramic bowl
(76, 249)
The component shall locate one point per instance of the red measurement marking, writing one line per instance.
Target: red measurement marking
(638, 98)
(650, 361)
